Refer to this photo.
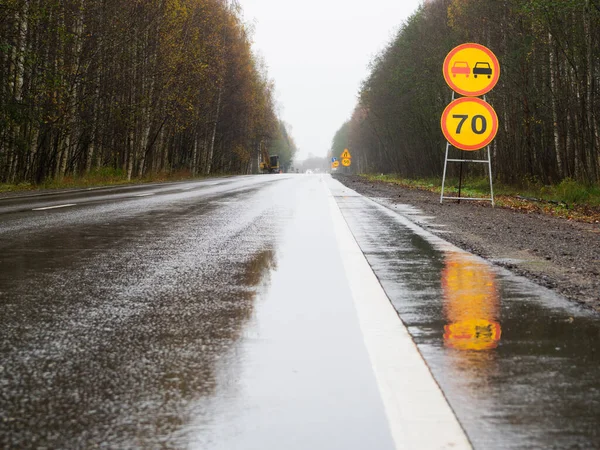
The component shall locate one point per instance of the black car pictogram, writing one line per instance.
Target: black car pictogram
(482, 68)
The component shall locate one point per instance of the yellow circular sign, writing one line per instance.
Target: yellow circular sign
(346, 162)
(469, 123)
(471, 69)
(336, 164)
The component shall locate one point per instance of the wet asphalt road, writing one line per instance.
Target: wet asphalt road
(214, 314)
(128, 320)
(518, 364)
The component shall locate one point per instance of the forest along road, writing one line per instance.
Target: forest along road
(264, 312)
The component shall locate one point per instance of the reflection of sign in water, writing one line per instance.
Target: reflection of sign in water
(471, 304)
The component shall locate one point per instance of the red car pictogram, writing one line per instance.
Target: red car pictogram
(462, 68)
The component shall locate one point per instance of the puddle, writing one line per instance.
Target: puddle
(518, 363)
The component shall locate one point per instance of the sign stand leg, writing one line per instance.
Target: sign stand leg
(490, 171)
(444, 176)
(446, 161)
(460, 177)
(487, 161)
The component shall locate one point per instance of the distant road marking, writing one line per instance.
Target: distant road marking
(54, 207)
(418, 414)
(144, 195)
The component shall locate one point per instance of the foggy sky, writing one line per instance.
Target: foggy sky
(318, 52)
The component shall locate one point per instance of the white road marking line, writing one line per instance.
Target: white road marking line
(418, 413)
(54, 207)
(144, 195)
(439, 243)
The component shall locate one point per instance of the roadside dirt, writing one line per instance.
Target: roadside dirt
(561, 254)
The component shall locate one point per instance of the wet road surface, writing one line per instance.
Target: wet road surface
(518, 364)
(223, 314)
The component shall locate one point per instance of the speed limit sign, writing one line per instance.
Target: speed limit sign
(469, 123)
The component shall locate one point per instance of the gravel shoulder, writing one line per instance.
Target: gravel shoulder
(560, 254)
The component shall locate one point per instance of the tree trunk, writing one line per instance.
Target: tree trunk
(589, 103)
(211, 150)
(554, 102)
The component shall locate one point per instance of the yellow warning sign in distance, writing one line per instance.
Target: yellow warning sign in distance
(346, 155)
(469, 123)
(335, 164)
(471, 69)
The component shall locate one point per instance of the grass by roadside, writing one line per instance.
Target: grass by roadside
(97, 178)
(569, 199)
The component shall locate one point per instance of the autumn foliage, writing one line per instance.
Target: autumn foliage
(547, 99)
(142, 86)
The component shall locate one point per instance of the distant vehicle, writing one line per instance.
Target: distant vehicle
(461, 68)
(308, 171)
(482, 68)
(269, 163)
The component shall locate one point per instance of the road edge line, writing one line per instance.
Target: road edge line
(418, 413)
(46, 208)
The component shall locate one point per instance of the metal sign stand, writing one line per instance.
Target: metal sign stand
(462, 160)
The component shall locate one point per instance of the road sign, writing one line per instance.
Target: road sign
(471, 69)
(335, 164)
(333, 160)
(469, 123)
(346, 155)
(346, 162)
